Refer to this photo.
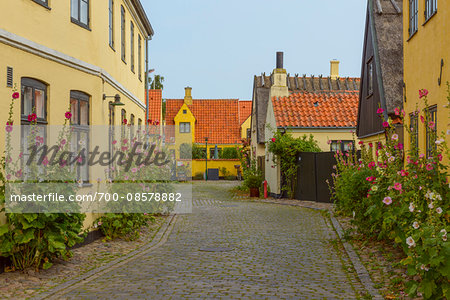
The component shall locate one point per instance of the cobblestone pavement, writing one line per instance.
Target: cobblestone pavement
(279, 252)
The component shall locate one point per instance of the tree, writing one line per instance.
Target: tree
(156, 82)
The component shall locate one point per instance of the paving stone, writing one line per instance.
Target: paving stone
(279, 251)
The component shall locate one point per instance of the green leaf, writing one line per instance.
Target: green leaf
(4, 229)
(23, 238)
(427, 288)
(412, 290)
(47, 265)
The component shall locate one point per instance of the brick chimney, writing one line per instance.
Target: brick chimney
(279, 87)
(334, 69)
(188, 95)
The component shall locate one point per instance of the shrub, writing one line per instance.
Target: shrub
(126, 225)
(229, 153)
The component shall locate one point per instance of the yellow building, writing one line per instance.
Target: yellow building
(426, 66)
(206, 124)
(86, 54)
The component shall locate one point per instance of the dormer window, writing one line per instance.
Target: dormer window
(185, 127)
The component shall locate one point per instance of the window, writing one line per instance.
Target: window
(413, 14)
(185, 127)
(122, 32)
(343, 146)
(79, 107)
(139, 128)
(139, 57)
(431, 130)
(34, 100)
(111, 136)
(111, 23)
(123, 116)
(430, 8)
(370, 77)
(42, 2)
(414, 133)
(131, 126)
(80, 12)
(132, 46)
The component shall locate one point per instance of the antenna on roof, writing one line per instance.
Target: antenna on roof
(320, 82)
(312, 82)
(296, 81)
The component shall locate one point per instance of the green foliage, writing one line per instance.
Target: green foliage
(126, 226)
(406, 202)
(156, 82)
(198, 176)
(285, 149)
(198, 152)
(229, 153)
(186, 151)
(224, 171)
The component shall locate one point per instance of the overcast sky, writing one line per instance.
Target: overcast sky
(217, 46)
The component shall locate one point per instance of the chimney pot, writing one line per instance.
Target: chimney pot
(188, 95)
(279, 60)
(334, 69)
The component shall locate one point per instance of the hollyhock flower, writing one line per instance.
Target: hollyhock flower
(45, 161)
(125, 141)
(63, 142)
(385, 124)
(371, 164)
(15, 95)
(404, 173)
(391, 159)
(439, 141)
(423, 267)
(149, 121)
(429, 167)
(68, 115)
(398, 186)
(395, 137)
(370, 145)
(400, 146)
(124, 148)
(410, 242)
(440, 157)
(8, 128)
(422, 119)
(114, 142)
(415, 225)
(62, 163)
(124, 121)
(421, 155)
(134, 170)
(387, 200)
(397, 111)
(380, 110)
(80, 159)
(374, 188)
(431, 205)
(30, 118)
(19, 174)
(126, 177)
(423, 93)
(273, 140)
(99, 223)
(431, 124)
(439, 210)
(361, 143)
(444, 238)
(156, 122)
(444, 231)
(411, 207)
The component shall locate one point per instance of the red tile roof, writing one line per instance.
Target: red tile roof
(217, 119)
(245, 110)
(320, 109)
(154, 105)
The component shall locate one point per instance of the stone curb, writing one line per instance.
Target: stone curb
(159, 239)
(361, 271)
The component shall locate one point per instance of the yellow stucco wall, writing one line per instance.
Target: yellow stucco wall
(199, 166)
(322, 136)
(44, 44)
(422, 65)
(244, 126)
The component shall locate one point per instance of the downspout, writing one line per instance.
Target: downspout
(146, 78)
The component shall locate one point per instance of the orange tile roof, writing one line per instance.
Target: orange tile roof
(154, 105)
(245, 110)
(319, 109)
(217, 119)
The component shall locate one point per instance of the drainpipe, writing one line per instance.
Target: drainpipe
(147, 39)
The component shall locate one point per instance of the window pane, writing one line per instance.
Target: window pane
(27, 100)
(40, 103)
(74, 9)
(74, 111)
(84, 12)
(84, 113)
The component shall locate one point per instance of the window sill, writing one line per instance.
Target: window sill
(429, 18)
(411, 36)
(75, 21)
(112, 48)
(124, 61)
(133, 71)
(369, 96)
(42, 4)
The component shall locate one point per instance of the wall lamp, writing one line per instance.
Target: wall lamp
(116, 100)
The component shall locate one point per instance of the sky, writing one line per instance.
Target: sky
(218, 46)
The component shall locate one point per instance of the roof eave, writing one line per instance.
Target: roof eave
(143, 16)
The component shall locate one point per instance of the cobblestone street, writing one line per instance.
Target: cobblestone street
(277, 251)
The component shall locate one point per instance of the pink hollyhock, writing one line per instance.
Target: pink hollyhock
(273, 140)
(371, 164)
(429, 167)
(404, 173)
(124, 121)
(387, 200)
(423, 93)
(370, 145)
(398, 186)
(45, 161)
(15, 95)
(9, 128)
(431, 124)
(385, 124)
(380, 110)
(422, 119)
(114, 142)
(125, 141)
(68, 115)
(19, 174)
(440, 157)
(361, 142)
(149, 121)
(397, 111)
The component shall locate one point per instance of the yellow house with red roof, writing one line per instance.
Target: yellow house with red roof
(206, 124)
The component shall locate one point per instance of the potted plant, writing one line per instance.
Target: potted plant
(253, 182)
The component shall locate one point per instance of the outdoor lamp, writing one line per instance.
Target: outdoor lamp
(116, 100)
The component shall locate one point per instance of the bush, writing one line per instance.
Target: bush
(198, 176)
(404, 202)
(125, 225)
(230, 177)
(229, 153)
